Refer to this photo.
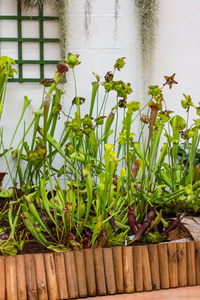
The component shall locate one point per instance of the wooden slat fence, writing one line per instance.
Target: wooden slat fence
(93, 272)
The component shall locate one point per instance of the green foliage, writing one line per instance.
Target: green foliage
(109, 184)
(154, 238)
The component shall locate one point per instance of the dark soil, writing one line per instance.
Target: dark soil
(179, 233)
(33, 247)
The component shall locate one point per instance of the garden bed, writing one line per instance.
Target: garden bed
(93, 272)
(116, 201)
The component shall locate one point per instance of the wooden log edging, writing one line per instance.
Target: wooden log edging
(94, 272)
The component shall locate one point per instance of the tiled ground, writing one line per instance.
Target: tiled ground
(186, 293)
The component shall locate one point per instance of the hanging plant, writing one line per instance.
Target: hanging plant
(87, 20)
(116, 19)
(62, 10)
(147, 12)
(34, 3)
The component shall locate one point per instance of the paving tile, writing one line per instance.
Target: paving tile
(185, 293)
(181, 293)
(184, 298)
(135, 296)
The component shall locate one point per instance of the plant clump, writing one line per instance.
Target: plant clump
(113, 187)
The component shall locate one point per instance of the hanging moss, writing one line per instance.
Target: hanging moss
(62, 10)
(117, 8)
(34, 3)
(87, 19)
(147, 12)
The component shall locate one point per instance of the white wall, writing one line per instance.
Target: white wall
(97, 54)
(178, 48)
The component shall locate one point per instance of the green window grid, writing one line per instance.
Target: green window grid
(41, 40)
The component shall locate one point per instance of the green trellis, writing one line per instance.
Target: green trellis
(20, 40)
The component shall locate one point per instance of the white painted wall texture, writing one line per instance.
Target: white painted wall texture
(178, 48)
(97, 54)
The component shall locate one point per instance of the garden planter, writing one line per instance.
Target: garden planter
(99, 271)
(106, 194)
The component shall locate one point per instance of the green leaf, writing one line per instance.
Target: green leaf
(157, 220)
(178, 123)
(189, 189)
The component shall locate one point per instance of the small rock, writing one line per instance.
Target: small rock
(192, 224)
